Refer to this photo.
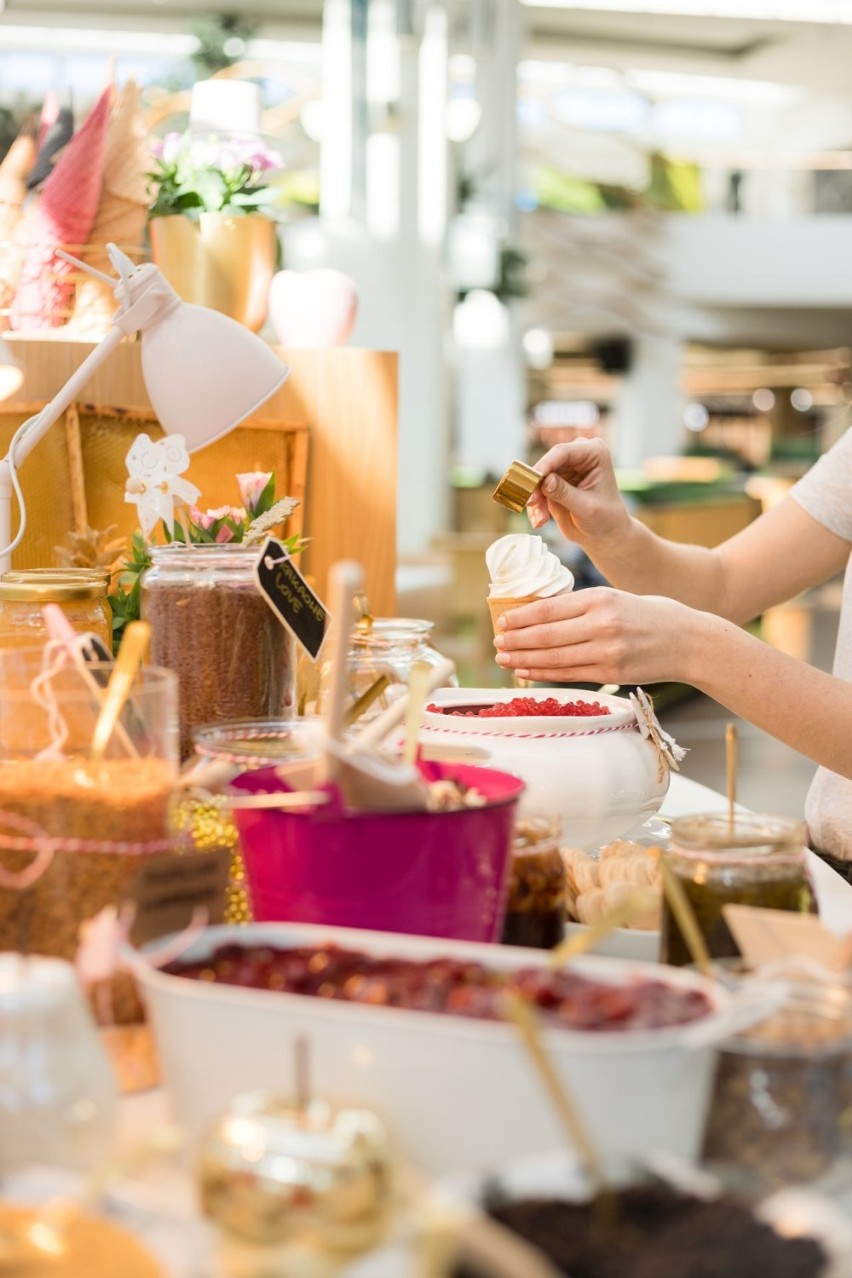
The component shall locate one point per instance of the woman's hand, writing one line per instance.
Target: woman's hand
(580, 492)
(600, 636)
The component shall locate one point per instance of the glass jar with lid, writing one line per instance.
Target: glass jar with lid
(389, 647)
(221, 752)
(80, 593)
(535, 907)
(212, 626)
(754, 860)
(783, 1087)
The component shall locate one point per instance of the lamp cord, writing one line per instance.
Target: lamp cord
(16, 487)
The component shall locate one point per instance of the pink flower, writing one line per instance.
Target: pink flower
(251, 487)
(263, 160)
(221, 512)
(224, 534)
(204, 518)
(169, 148)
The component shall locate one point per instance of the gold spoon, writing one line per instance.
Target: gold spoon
(131, 654)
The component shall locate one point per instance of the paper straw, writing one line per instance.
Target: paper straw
(524, 1019)
(731, 772)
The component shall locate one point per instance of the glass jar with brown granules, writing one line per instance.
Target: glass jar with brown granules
(212, 626)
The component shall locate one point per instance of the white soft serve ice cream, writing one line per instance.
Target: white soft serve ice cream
(521, 565)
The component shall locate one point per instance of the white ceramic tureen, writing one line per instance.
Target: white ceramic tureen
(598, 773)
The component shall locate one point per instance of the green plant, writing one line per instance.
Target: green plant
(193, 176)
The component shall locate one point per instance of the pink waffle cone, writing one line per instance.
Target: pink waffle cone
(14, 171)
(63, 215)
(499, 607)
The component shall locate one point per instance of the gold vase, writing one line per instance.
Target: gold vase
(222, 261)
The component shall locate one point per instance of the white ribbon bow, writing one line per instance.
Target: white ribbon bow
(154, 483)
(669, 753)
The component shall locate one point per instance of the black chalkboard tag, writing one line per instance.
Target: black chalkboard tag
(290, 597)
(171, 886)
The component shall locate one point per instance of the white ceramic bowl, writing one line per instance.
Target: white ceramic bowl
(598, 773)
(457, 1094)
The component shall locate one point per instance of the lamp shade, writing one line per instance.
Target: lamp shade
(11, 374)
(205, 373)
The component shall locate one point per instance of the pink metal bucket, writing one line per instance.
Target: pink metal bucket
(431, 873)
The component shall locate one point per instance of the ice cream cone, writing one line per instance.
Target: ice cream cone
(498, 607)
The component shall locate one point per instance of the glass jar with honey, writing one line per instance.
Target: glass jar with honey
(81, 593)
(750, 860)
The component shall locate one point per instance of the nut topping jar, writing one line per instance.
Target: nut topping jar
(386, 646)
(757, 860)
(535, 909)
(211, 625)
(783, 1091)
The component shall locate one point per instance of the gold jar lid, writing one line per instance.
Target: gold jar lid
(57, 574)
(517, 486)
(22, 588)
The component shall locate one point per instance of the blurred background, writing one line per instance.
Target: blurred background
(624, 218)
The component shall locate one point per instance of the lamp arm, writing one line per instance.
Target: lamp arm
(28, 435)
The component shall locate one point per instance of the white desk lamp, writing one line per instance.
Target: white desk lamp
(204, 373)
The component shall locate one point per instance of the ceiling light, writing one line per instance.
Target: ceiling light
(802, 399)
(763, 399)
(73, 39)
(695, 417)
(833, 12)
(682, 83)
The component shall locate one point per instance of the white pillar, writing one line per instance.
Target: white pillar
(490, 373)
(649, 408)
(391, 243)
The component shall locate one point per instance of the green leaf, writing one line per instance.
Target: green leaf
(266, 500)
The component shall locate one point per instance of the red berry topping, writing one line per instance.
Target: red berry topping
(532, 707)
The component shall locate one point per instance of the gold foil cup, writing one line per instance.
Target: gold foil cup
(517, 486)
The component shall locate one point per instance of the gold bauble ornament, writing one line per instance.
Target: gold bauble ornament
(272, 1172)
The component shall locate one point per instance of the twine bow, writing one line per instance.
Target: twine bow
(669, 753)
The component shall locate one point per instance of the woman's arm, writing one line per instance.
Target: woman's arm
(780, 554)
(772, 559)
(604, 636)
